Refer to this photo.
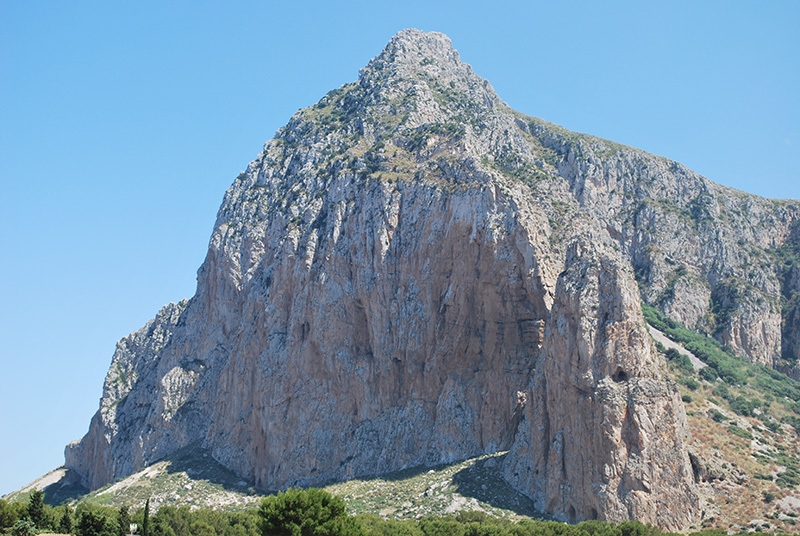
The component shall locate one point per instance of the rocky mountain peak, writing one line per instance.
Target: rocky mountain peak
(420, 56)
(411, 273)
(410, 49)
(417, 80)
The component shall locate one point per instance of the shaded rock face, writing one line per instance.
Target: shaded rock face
(790, 253)
(603, 435)
(145, 395)
(380, 292)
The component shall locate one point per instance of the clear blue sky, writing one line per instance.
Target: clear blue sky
(122, 124)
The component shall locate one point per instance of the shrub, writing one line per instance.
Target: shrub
(788, 478)
(722, 391)
(741, 432)
(709, 374)
(680, 360)
(742, 406)
(716, 415)
(691, 383)
(772, 426)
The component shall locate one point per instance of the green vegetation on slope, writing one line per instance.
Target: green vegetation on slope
(733, 370)
(745, 431)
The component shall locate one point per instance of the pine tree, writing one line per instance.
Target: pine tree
(95, 524)
(124, 520)
(36, 508)
(146, 519)
(310, 512)
(65, 525)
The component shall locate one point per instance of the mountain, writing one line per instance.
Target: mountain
(411, 273)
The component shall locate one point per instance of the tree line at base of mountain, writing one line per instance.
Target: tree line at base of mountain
(295, 512)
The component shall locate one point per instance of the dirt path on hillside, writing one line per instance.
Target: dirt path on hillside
(659, 336)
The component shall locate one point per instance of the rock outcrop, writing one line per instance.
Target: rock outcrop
(114, 445)
(382, 291)
(603, 433)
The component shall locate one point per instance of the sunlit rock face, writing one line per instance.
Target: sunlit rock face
(603, 435)
(412, 273)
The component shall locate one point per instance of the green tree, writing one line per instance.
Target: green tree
(93, 523)
(441, 526)
(177, 519)
(374, 525)
(235, 530)
(65, 525)
(146, 519)
(159, 527)
(36, 508)
(10, 512)
(636, 528)
(242, 524)
(124, 521)
(311, 512)
(23, 527)
(201, 528)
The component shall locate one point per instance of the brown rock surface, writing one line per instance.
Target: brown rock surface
(379, 290)
(603, 433)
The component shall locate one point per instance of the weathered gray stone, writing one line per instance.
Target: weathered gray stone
(603, 434)
(379, 293)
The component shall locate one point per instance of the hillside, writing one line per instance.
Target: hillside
(192, 478)
(745, 444)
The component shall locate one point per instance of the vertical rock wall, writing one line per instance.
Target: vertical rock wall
(397, 337)
(603, 433)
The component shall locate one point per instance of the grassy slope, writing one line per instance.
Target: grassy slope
(745, 428)
(193, 478)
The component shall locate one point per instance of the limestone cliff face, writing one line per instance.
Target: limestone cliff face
(380, 280)
(789, 253)
(603, 432)
(381, 333)
(703, 253)
(114, 444)
(372, 299)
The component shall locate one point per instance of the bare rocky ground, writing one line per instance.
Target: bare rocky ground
(659, 337)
